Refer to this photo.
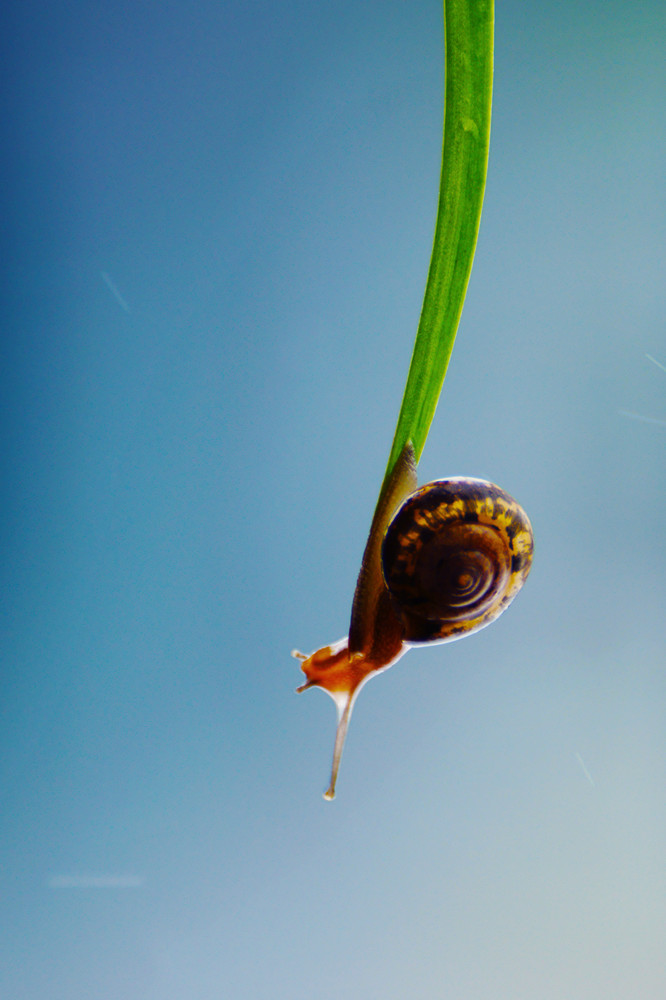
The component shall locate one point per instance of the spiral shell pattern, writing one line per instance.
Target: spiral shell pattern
(454, 556)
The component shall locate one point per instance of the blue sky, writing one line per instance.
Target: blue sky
(218, 221)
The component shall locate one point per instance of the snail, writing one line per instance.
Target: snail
(441, 561)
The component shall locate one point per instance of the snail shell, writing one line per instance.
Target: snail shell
(454, 556)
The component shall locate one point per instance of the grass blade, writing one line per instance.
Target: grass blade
(467, 106)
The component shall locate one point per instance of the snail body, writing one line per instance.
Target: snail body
(441, 561)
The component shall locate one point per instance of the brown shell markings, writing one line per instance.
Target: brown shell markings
(454, 556)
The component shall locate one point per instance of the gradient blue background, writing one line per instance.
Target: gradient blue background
(217, 225)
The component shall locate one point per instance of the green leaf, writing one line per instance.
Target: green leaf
(467, 104)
